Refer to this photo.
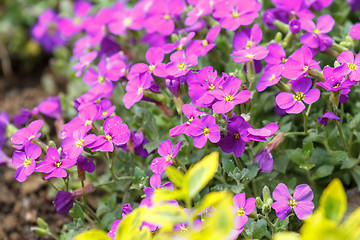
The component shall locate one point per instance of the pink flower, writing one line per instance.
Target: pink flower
(242, 208)
(25, 161)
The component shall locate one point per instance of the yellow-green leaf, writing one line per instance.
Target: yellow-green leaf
(200, 174)
(220, 223)
(210, 200)
(130, 225)
(165, 215)
(163, 194)
(333, 201)
(319, 227)
(175, 176)
(93, 234)
(350, 229)
(287, 236)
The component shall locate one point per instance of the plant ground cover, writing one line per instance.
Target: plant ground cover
(194, 119)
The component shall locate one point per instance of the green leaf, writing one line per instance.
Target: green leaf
(92, 235)
(308, 148)
(175, 176)
(228, 165)
(333, 201)
(260, 229)
(296, 155)
(355, 173)
(287, 236)
(237, 188)
(200, 174)
(323, 171)
(139, 174)
(349, 163)
(307, 166)
(339, 156)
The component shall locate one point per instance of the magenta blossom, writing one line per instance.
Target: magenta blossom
(229, 97)
(235, 13)
(315, 36)
(328, 115)
(179, 63)
(204, 129)
(159, 164)
(25, 135)
(248, 54)
(247, 38)
(265, 160)
(333, 82)
(155, 183)
(242, 208)
(260, 135)
(202, 47)
(299, 63)
(74, 146)
(189, 111)
(115, 132)
(350, 66)
(301, 202)
(53, 166)
(25, 161)
(135, 90)
(293, 103)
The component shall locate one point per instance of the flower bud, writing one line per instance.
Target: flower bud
(278, 37)
(39, 231)
(266, 208)
(42, 223)
(294, 26)
(266, 193)
(259, 202)
(253, 215)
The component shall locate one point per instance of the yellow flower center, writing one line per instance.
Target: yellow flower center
(352, 66)
(211, 87)
(88, 122)
(292, 202)
(167, 17)
(77, 21)
(205, 42)
(108, 137)
(57, 164)
(235, 14)
(31, 137)
(229, 98)
(240, 211)
(206, 131)
(249, 55)
(169, 157)
(79, 143)
(272, 78)
(184, 229)
(305, 68)
(27, 162)
(283, 60)
(190, 120)
(316, 31)
(127, 21)
(101, 79)
(181, 66)
(52, 28)
(180, 47)
(140, 90)
(104, 113)
(249, 43)
(236, 135)
(299, 96)
(151, 68)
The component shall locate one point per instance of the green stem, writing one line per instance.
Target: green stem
(238, 162)
(52, 185)
(341, 133)
(250, 73)
(90, 212)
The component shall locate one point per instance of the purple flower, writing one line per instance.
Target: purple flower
(233, 142)
(63, 202)
(85, 164)
(276, 57)
(127, 19)
(159, 164)
(22, 117)
(106, 108)
(179, 63)
(234, 13)
(160, 16)
(328, 115)
(293, 103)
(25, 135)
(191, 112)
(25, 161)
(138, 141)
(242, 208)
(84, 62)
(333, 82)
(265, 160)
(71, 26)
(74, 146)
(301, 202)
(46, 31)
(355, 30)
(202, 8)
(229, 97)
(135, 90)
(155, 183)
(294, 26)
(354, 4)
(53, 166)
(50, 107)
(115, 132)
(315, 36)
(299, 63)
(247, 38)
(204, 129)
(201, 47)
(250, 134)
(178, 45)
(252, 53)
(114, 227)
(268, 78)
(349, 66)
